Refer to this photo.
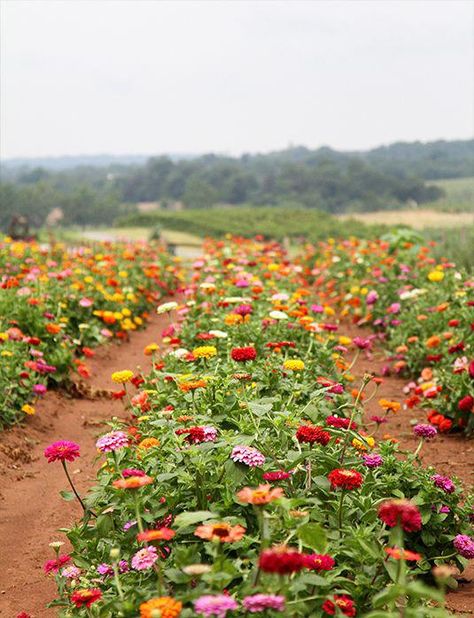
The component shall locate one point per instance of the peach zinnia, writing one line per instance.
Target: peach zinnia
(221, 532)
(263, 494)
(133, 482)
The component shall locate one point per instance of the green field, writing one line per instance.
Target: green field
(459, 195)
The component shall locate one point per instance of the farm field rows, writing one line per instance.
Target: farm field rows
(253, 460)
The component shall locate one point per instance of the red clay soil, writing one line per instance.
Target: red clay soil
(450, 454)
(31, 509)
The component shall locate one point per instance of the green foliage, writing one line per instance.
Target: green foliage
(271, 222)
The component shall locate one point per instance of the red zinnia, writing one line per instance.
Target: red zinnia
(466, 403)
(345, 479)
(63, 450)
(342, 602)
(319, 562)
(244, 354)
(281, 560)
(86, 597)
(312, 434)
(279, 475)
(403, 512)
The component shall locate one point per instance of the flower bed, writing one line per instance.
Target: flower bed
(56, 304)
(245, 481)
(424, 309)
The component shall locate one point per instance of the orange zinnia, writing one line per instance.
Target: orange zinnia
(167, 606)
(133, 482)
(433, 342)
(222, 532)
(390, 406)
(160, 534)
(263, 494)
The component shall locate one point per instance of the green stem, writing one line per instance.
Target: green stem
(339, 518)
(76, 493)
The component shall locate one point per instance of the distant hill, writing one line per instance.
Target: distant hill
(68, 162)
(427, 160)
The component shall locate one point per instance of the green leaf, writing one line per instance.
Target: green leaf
(67, 495)
(188, 518)
(313, 536)
(386, 595)
(259, 409)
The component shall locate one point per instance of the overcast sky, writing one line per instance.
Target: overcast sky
(103, 76)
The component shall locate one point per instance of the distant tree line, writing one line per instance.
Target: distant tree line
(331, 181)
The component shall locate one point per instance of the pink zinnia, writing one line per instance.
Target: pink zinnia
(261, 602)
(248, 456)
(215, 605)
(63, 450)
(112, 441)
(53, 566)
(144, 559)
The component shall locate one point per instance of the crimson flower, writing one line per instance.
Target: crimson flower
(86, 596)
(345, 479)
(281, 560)
(312, 434)
(400, 511)
(342, 602)
(242, 355)
(63, 450)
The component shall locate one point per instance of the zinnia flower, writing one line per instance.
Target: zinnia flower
(444, 483)
(466, 404)
(63, 450)
(85, 596)
(293, 365)
(243, 355)
(340, 422)
(204, 351)
(464, 545)
(167, 606)
(53, 566)
(372, 461)
(263, 494)
(196, 435)
(133, 482)
(160, 534)
(342, 602)
(120, 377)
(261, 602)
(247, 455)
(345, 479)
(281, 560)
(312, 434)
(278, 475)
(402, 554)
(215, 605)
(425, 431)
(112, 441)
(144, 558)
(319, 562)
(400, 511)
(221, 532)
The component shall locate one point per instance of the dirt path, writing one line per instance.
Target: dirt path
(31, 509)
(451, 455)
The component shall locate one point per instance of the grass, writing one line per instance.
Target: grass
(417, 218)
(459, 195)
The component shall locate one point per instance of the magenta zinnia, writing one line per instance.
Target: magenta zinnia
(63, 450)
